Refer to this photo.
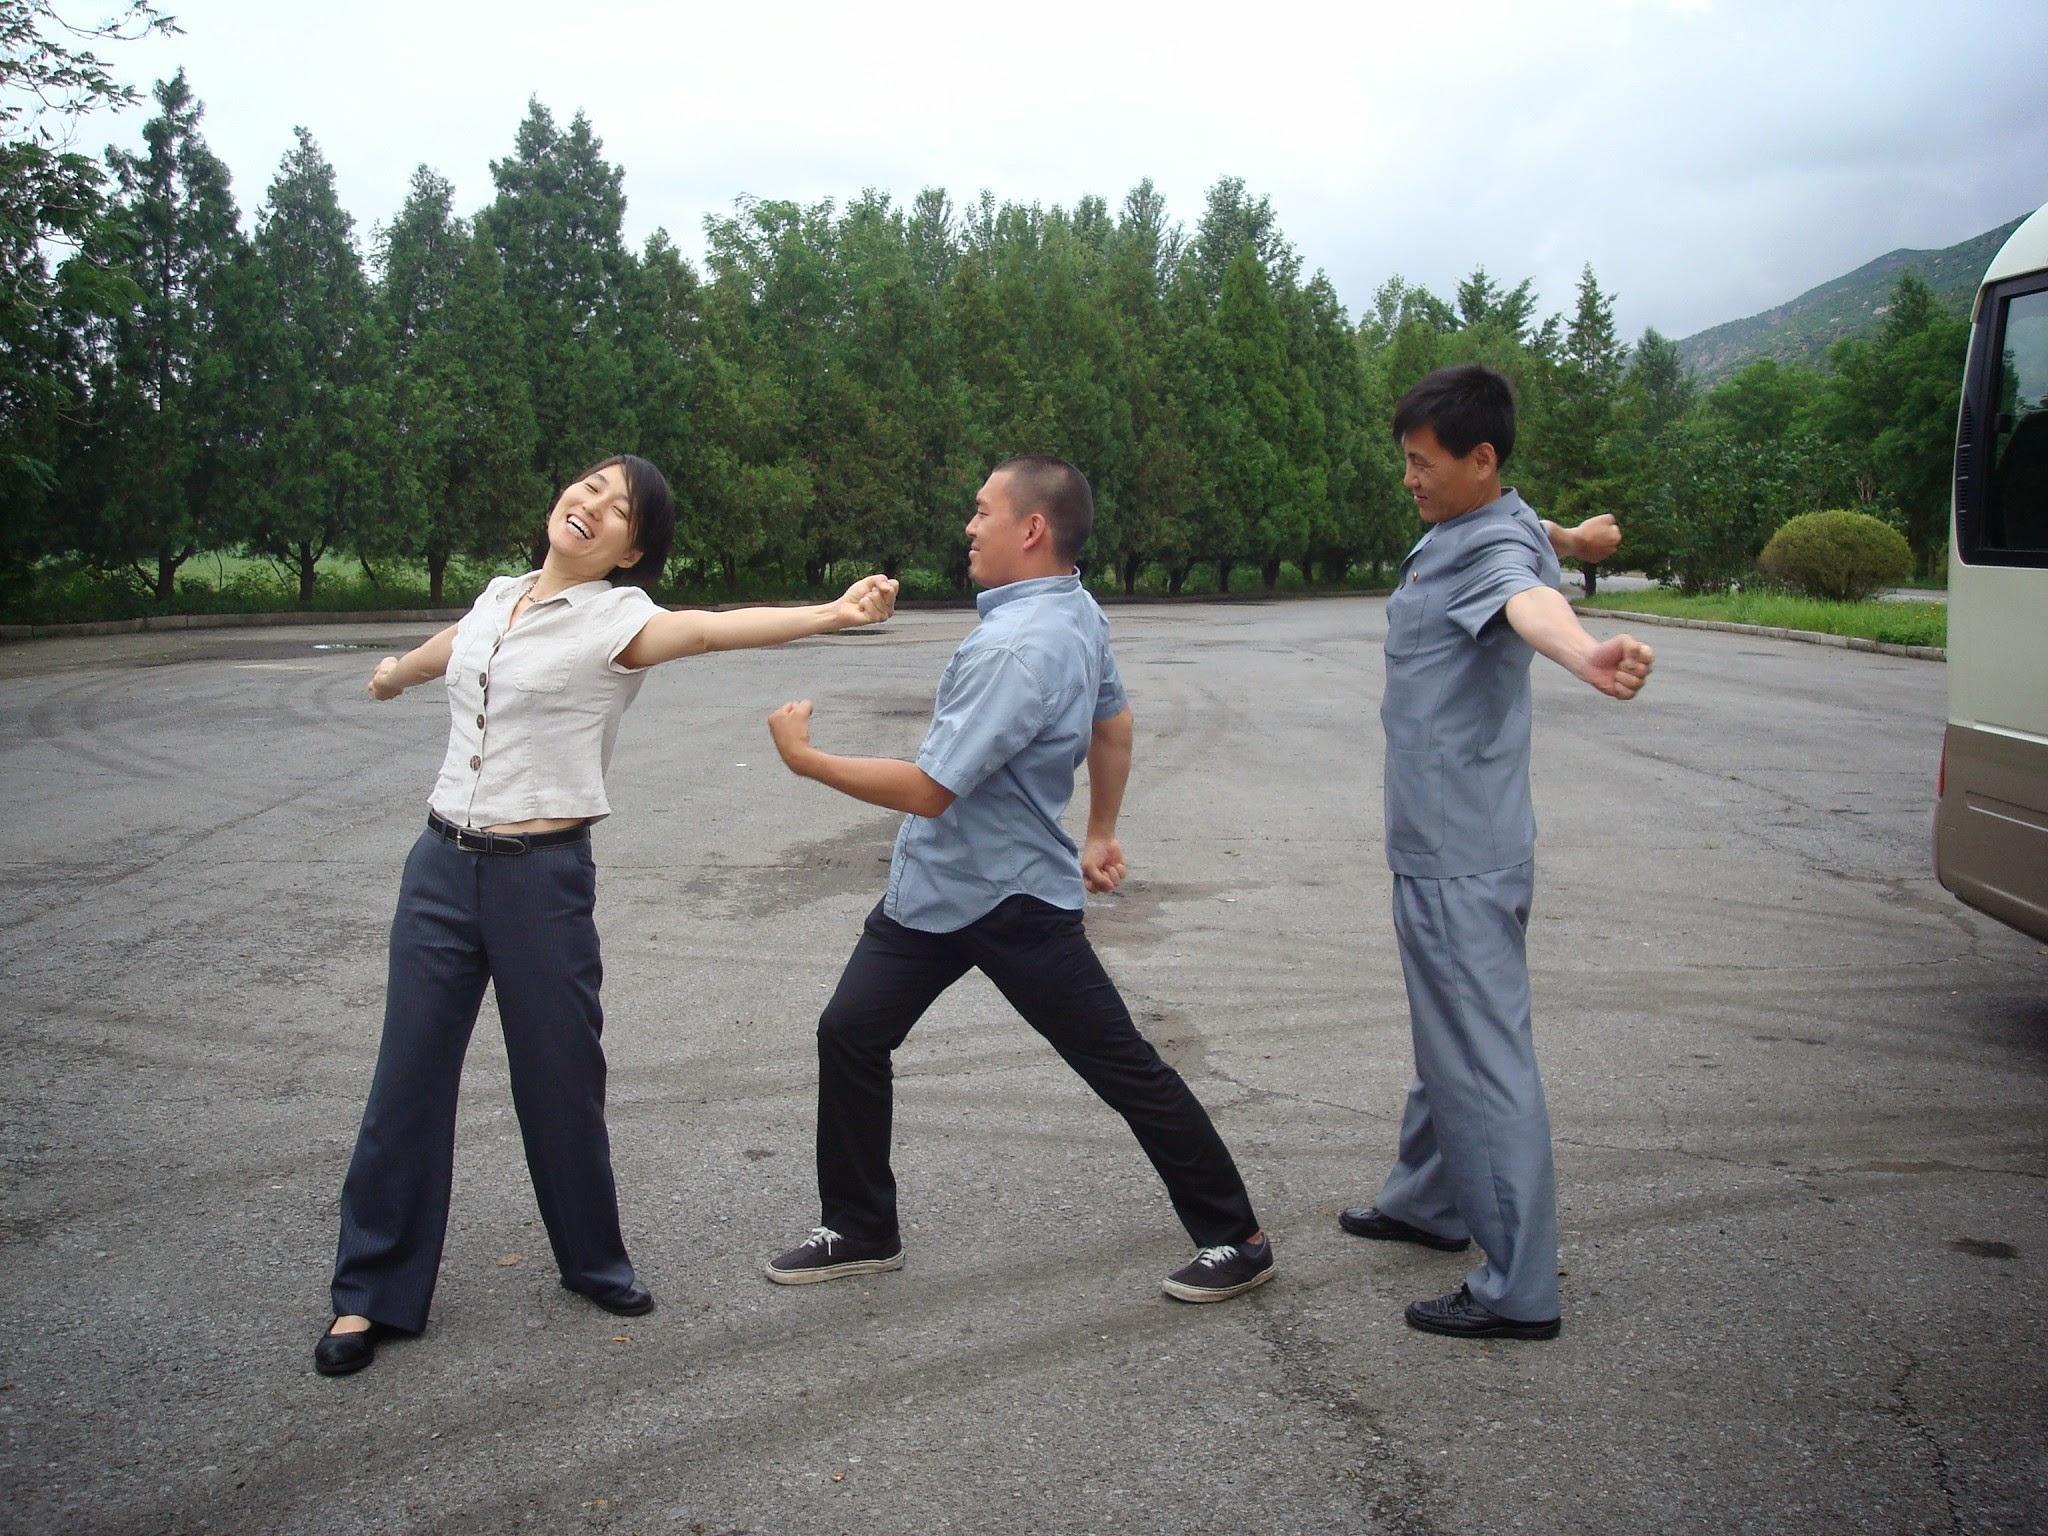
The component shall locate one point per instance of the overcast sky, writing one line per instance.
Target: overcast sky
(1710, 158)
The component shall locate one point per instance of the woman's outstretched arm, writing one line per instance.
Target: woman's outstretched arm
(692, 631)
(395, 674)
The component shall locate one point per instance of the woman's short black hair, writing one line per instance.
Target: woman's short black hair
(1464, 406)
(652, 512)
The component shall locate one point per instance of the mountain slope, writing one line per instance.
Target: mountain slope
(1851, 305)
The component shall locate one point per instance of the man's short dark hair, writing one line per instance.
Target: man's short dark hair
(1059, 492)
(651, 510)
(1464, 406)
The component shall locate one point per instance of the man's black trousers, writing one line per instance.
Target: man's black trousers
(1039, 957)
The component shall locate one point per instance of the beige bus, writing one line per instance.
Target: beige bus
(1991, 825)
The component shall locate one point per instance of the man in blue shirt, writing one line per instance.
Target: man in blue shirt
(984, 876)
(1476, 599)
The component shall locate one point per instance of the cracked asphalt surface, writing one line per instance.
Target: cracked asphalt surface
(1798, 1095)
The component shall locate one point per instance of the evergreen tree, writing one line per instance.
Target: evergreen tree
(1573, 454)
(461, 418)
(1342, 529)
(769, 303)
(1078, 353)
(1659, 390)
(1213, 527)
(418, 255)
(1658, 400)
(52, 201)
(665, 339)
(557, 222)
(934, 405)
(1231, 220)
(157, 477)
(1151, 482)
(1255, 466)
(318, 371)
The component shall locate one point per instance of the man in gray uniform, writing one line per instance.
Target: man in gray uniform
(1477, 599)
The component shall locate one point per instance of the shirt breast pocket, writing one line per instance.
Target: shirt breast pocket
(544, 670)
(1407, 617)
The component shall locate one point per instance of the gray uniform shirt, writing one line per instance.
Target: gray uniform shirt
(1015, 713)
(534, 707)
(1456, 708)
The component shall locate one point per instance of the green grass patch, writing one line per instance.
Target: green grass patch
(70, 594)
(1909, 623)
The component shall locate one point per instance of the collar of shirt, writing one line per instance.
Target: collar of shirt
(995, 597)
(1507, 502)
(574, 596)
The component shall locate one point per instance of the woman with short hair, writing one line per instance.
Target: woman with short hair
(501, 888)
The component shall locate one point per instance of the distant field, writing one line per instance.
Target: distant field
(1918, 623)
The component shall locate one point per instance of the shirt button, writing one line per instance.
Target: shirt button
(483, 680)
(479, 722)
(476, 762)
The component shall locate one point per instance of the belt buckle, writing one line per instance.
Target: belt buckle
(471, 840)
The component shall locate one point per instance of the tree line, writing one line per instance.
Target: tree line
(833, 382)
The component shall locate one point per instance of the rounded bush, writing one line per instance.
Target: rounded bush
(1841, 555)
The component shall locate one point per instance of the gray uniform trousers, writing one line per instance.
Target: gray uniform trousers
(1474, 1159)
(525, 922)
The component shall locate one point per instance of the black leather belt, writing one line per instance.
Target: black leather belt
(476, 840)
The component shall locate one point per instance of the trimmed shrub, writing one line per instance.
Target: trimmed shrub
(1841, 555)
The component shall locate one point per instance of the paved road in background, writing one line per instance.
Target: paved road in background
(1798, 1095)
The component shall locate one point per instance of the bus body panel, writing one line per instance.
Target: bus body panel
(2025, 250)
(1991, 823)
(1991, 829)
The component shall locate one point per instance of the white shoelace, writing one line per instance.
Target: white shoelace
(1212, 1257)
(823, 1237)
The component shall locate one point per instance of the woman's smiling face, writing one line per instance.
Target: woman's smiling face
(591, 528)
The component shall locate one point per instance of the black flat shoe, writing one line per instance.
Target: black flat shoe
(1371, 1221)
(340, 1354)
(635, 1301)
(1459, 1316)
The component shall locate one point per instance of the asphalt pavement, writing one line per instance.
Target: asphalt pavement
(1798, 1095)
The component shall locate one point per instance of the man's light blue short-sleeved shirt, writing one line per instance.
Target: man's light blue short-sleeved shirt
(1456, 708)
(1016, 710)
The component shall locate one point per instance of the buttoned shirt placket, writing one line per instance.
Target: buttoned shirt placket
(483, 683)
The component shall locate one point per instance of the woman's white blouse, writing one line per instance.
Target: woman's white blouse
(535, 707)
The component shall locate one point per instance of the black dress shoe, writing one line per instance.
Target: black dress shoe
(635, 1301)
(1371, 1221)
(338, 1354)
(1463, 1318)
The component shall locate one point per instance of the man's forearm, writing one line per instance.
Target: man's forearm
(885, 781)
(1591, 542)
(1564, 541)
(1109, 770)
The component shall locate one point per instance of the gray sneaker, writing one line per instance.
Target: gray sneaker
(825, 1255)
(1217, 1274)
